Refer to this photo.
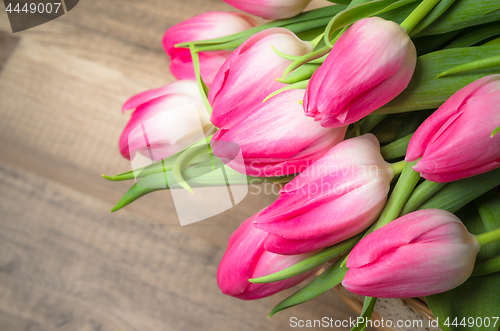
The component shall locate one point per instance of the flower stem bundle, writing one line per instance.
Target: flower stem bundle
(378, 118)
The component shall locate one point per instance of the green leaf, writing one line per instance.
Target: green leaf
(357, 12)
(405, 185)
(396, 149)
(475, 34)
(425, 91)
(154, 168)
(157, 167)
(462, 14)
(183, 161)
(422, 193)
(324, 282)
(294, 86)
(487, 63)
(202, 175)
(300, 61)
(495, 131)
(366, 313)
(302, 73)
(201, 85)
(456, 195)
(495, 41)
(308, 16)
(369, 122)
(385, 123)
(488, 206)
(434, 43)
(478, 297)
(486, 267)
(433, 15)
(412, 121)
(366, 125)
(311, 262)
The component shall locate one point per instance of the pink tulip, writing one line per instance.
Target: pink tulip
(275, 138)
(245, 258)
(368, 66)
(335, 198)
(270, 9)
(209, 25)
(455, 141)
(165, 121)
(422, 253)
(248, 76)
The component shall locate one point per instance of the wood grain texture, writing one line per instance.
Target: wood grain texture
(66, 263)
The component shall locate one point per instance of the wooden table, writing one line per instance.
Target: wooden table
(66, 262)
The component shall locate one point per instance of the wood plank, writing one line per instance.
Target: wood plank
(65, 263)
(63, 120)
(8, 43)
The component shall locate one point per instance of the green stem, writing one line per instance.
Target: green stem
(313, 17)
(489, 237)
(311, 262)
(487, 63)
(304, 59)
(402, 191)
(495, 132)
(201, 85)
(366, 124)
(418, 14)
(320, 60)
(357, 129)
(404, 187)
(421, 194)
(487, 267)
(396, 148)
(398, 167)
(298, 85)
(199, 148)
(316, 40)
(179, 165)
(304, 72)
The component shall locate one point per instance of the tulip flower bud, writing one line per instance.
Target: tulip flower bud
(249, 74)
(245, 258)
(368, 66)
(209, 25)
(275, 138)
(455, 142)
(270, 9)
(335, 198)
(422, 253)
(165, 121)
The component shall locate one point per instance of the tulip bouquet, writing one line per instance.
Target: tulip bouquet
(378, 118)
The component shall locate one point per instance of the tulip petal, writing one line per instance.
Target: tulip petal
(369, 65)
(270, 9)
(426, 132)
(239, 86)
(400, 235)
(245, 258)
(335, 198)
(189, 87)
(207, 25)
(163, 126)
(275, 138)
(422, 253)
